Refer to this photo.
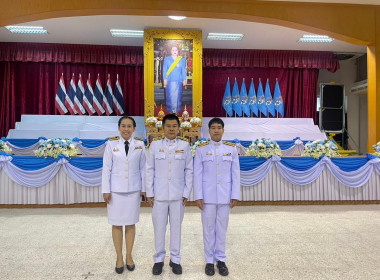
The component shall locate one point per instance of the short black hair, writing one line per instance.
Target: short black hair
(215, 120)
(126, 117)
(170, 117)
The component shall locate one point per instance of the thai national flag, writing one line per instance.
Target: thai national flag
(61, 96)
(98, 97)
(118, 102)
(88, 97)
(69, 101)
(78, 98)
(108, 98)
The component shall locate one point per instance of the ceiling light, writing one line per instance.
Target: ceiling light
(315, 39)
(225, 36)
(177, 17)
(127, 33)
(26, 29)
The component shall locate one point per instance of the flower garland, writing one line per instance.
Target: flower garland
(195, 145)
(263, 148)
(376, 149)
(318, 148)
(4, 147)
(56, 146)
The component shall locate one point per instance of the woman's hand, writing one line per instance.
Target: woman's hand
(107, 198)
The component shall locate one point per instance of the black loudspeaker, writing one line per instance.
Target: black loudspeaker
(331, 113)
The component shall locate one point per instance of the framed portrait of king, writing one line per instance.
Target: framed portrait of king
(173, 71)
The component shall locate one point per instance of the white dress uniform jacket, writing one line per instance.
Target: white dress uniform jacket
(169, 169)
(123, 173)
(216, 173)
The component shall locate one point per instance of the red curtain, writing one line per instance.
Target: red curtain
(29, 75)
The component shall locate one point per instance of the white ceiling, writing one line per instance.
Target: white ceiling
(95, 30)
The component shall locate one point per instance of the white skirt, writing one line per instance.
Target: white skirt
(124, 208)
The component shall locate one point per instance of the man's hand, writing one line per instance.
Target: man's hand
(233, 203)
(200, 203)
(184, 200)
(107, 198)
(143, 196)
(150, 201)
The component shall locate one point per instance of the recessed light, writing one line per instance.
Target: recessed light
(177, 17)
(18, 29)
(225, 36)
(127, 33)
(315, 39)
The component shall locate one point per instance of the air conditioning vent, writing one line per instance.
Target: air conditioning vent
(360, 87)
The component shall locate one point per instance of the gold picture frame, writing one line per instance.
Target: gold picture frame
(156, 47)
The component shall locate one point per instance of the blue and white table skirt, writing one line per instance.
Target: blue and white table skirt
(31, 180)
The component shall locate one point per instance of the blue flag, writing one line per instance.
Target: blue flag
(236, 102)
(261, 100)
(244, 99)
(269, 100)
(227, 105)
(278, 102)
(252, 101)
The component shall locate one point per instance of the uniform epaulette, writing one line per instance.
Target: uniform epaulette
(183, 138)
(138, 138)
(229, 143)
(203, 144)
(114, 138)
(157, 138)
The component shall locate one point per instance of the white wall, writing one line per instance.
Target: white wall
(356, 103)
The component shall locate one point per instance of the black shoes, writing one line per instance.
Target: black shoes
(131, 267)
(119, 270)
(223, 270)
(157, 268)
(209, 269)
(176, 268)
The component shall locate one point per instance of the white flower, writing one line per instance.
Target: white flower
(195, 120)
(318, 148)
(186, 125)
(63, 146)
(259, 148)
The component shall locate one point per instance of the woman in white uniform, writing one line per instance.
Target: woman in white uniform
(122, 187)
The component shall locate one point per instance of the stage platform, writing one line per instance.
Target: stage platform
(83, 127)
(102, 127)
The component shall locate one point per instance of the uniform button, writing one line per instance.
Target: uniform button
(218, 173)
(127, 178)
(218, 183)
(170, 170)
(217, 164)
(170, 162)
(169, 179)
(217, 155)
(170, 153)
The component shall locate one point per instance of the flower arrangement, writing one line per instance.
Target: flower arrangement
(151, 121)
(318, 148)
(186, 125)
(376, 149)
(4, 147)
(263, 148)
(159, 124)
(195, 145)
(195, 121)
(56, 146)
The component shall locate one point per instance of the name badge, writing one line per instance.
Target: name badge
(161, 151)
(116, 149)
(138, 148)
(208, 154)
(179, 151)
(227, 154)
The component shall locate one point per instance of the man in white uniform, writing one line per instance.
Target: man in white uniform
(216, 191)
(169, 174)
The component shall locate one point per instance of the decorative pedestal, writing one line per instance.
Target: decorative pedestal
(193, 134)
(153, 132)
